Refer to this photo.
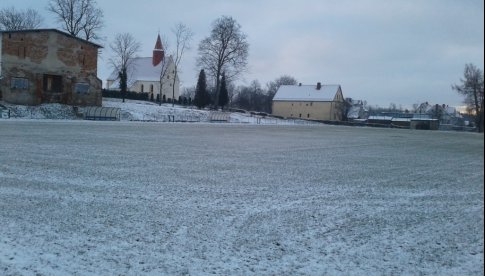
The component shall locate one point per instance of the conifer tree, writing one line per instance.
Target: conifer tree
(201, 98)
(223, 95)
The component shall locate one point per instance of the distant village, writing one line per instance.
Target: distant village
(51, 66)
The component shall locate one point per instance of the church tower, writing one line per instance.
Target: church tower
(158, 52)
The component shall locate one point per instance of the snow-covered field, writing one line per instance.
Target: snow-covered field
(131, 198)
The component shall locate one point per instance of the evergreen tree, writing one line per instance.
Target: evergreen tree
(123, 83)
(201, 98)
(223, 95)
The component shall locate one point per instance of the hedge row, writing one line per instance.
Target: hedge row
(129, 95)
(144, 97)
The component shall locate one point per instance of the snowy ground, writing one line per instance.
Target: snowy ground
(130, 198)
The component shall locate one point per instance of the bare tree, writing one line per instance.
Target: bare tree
(183, 36)
(283, 80)
(13, 20)
(472, 88)
(78, 16)
(164, 69)
(93, 23)
(124, 49)
(226, 49)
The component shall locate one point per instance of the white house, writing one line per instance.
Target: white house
(145, 75)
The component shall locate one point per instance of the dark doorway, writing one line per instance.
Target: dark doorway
(53, 90)
(52, 83)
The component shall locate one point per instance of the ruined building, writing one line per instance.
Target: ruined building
(48, 66)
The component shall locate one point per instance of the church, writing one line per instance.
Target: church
(145, 76)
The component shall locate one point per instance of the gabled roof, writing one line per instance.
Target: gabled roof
(141, 69)
(53, 30)
(306, 93)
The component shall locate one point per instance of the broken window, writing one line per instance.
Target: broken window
(19, 83)
(81, 88)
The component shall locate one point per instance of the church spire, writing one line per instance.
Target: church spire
(158, 52)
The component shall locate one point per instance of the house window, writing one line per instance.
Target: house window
(19, 84)
(141, 88)
(311, 103)
(308, 115)
(300, 115)
(22, 52)
(81, 88)
(151, 88)
(53, 83)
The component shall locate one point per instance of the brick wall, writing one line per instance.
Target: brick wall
(34, 54)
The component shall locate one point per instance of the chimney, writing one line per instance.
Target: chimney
(319, 85)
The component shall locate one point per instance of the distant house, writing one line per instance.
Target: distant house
(314, 102)
(48, 66)
(144, 75)
(445, 114)
(356, 110)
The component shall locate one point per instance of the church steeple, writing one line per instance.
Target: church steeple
(158, 52)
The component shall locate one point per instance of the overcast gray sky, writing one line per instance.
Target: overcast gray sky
(381, 51)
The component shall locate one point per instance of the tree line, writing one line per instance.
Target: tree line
(252, 97)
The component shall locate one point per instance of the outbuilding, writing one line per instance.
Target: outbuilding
(313, 102)
(48, 66)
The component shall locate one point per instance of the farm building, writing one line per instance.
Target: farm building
(404, 120)
(320, 102)
(446, 115)
(48, 66)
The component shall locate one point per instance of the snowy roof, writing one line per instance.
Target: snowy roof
(306, 93)
(354, 112)
(401, 119)
(431, 108)
(378, 117)
(141, 69)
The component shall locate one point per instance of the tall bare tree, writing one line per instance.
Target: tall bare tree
(78, 17)
(472, 88)
(164, 70)
(183, 36)
(15, 20)
(225, 50)
(93, 23)
(124, 48)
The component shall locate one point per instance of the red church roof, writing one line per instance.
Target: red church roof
(158, 52)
